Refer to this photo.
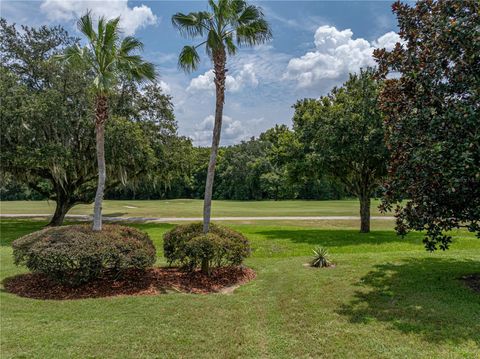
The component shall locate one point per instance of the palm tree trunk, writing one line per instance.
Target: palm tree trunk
(219, 60)
(100, 118)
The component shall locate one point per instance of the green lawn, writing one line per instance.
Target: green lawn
(386, 298)
(193, 208)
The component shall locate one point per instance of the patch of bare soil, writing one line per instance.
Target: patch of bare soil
(150, 282)
(472, 281)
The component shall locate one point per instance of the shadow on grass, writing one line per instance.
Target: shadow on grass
(13, 229)
(114, 214)
(162, 227)
(420, 296)
(339, 238)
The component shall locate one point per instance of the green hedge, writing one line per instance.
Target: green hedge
(186, 245)
(75, 254)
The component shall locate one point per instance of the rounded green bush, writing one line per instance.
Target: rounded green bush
(76, 254)
(187, 246)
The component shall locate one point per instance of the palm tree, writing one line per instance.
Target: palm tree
(109, 58)
(229, 24)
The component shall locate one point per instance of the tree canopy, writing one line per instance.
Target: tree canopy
(229, 24)
(47, 130)
(341, 135)
(432, 119)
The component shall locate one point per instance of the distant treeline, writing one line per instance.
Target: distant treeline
(252, 170)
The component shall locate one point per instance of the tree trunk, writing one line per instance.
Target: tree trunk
(364, 213)
(100, 118)
(63, 205)
(219, 59)
(205, 269)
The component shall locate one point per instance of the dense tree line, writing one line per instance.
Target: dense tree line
(251, 170)
(246, 171)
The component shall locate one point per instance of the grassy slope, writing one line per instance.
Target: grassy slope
(193, 208)
(386, 298)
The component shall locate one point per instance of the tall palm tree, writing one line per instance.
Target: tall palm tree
(109, 58)
(228, 24)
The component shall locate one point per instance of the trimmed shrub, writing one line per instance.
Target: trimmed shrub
(187, 246)
(76, 254)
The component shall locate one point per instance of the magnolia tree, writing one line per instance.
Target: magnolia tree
(432, 109)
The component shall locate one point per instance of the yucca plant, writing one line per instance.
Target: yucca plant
(321, 258)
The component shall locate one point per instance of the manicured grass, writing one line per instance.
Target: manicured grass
(193, 208)
(386, 298)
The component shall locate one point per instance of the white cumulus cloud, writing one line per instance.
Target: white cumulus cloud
(232, 131)
(165, 87)
(388, 41)
(132, 18)
(246, 76)
(336, 54)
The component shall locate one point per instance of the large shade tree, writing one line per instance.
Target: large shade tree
(432, 109)
(109, 58)
(47, 132)
(228, 24)
(341, 135)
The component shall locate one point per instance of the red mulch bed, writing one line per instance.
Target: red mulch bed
(473, 281)
(151, 282)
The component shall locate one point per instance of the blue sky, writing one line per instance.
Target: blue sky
(315, 45)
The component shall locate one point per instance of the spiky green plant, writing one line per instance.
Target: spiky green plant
(321, 258)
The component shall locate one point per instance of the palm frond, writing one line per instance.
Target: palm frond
(108, 57)
(85, 26)
(145, 71)
(254, 33)
(134, 67)
(101, 29)
(230, 45)
(130, 44)
(249, 14)
(77, 56)
(191, 25)
(237, 6)
(214, 7)
(214, 42)
(72, 54)
(104, 81)
(224, 9)
(188, 59)
(112, 33)
(225, 20)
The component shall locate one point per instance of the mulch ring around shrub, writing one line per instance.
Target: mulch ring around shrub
(150, 282)
(472, 281)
